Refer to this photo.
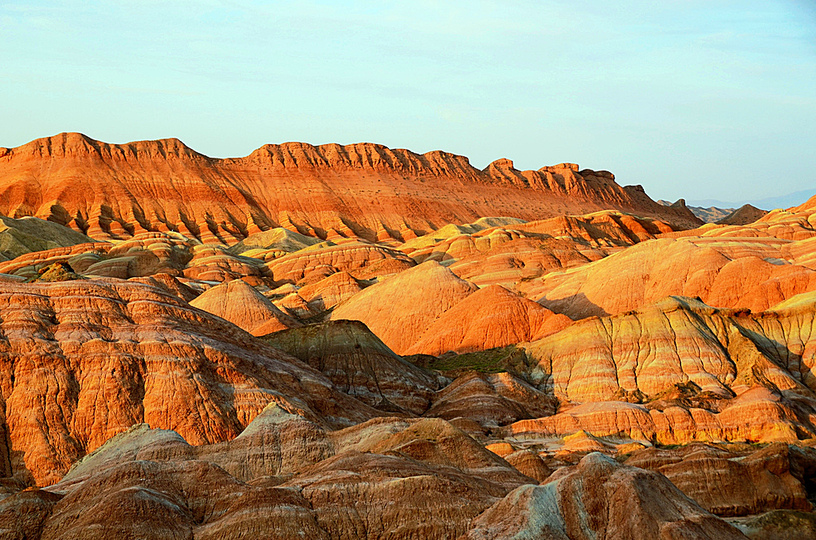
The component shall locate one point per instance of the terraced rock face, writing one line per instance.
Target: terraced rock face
(775, 477)
(391, 476)
(362, 260)
(679, 340)
(506, 252)
(689, 372)
(285, 477)
(362, 190)
(532, 343)
(491, 400)
(81, 361)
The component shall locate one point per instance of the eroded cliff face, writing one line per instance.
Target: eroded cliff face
(135, 395)
(84, 360)
(364, 190)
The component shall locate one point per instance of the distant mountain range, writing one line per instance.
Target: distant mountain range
(783, 201)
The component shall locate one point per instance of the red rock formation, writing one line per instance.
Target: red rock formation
(600, 498)
(505, 252)
(399, 309)
(359, 364)
(85, 360)
(389, 477)
(753, 266)
(491, 400)
(736, 273)
(360, 259)
(488, 318)
(242, 305)
(736, 484)
(327, 293)
(723, 352)
(362, 189)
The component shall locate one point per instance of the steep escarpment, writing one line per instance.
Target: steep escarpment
(364, 190)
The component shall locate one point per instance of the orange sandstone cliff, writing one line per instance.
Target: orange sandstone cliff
(367, 190)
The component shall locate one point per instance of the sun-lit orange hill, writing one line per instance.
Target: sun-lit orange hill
(367, 190)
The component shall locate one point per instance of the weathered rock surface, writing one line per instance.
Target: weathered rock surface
(279, 241)
(491, 400)
(400, 309)
(735, 484)
(753, 266)
(679, 340)
(390, 477)
(490, 317)
(712, 214)
(364, 190)
(81, 361)
(742, 216)
(287, 438)
(360, 259)
(245, 307)
(359, 364)
(504, 252)
(740, 273)
(779, 525)
(600, 498)
(21, 236)
(331, 291)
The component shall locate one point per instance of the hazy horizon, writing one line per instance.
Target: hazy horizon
(688, 99)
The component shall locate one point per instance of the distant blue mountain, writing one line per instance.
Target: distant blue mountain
(784, 201)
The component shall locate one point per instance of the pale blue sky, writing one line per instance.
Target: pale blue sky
(695, 99)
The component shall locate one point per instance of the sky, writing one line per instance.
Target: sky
(711, 99)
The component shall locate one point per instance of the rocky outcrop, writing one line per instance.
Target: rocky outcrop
(491, 400)
(364, 190)
(360, 259)
(678, 341)
(329, 292)
(389, 477)
(242, 305)
(279, 241)
(360, 364)
(490, 317)
(85, 360)
(680, 371)
(736, 484)
(600, 498)
(506, 252)
(742, 216)
(21, 236)
(399, 310)
(711, 214)
(752, 273)
(752, 266)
